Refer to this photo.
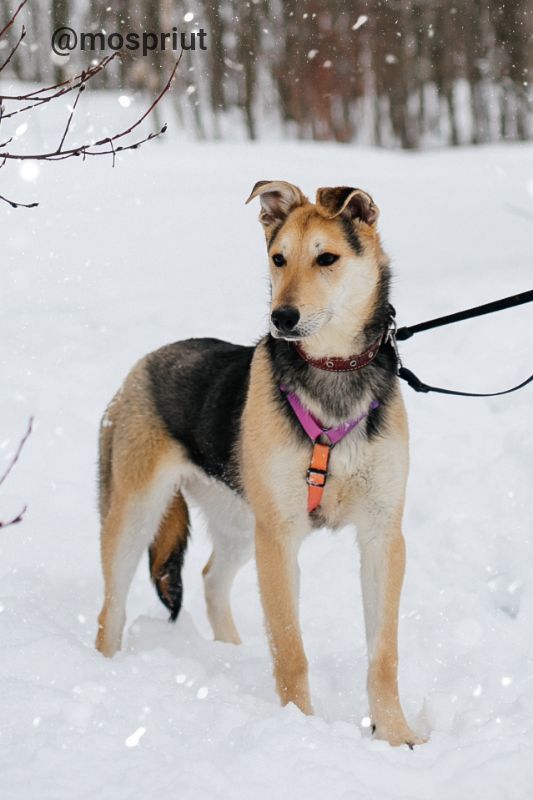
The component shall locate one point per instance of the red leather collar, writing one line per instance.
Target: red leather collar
(336, 364)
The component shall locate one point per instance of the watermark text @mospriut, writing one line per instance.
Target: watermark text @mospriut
(65, 40)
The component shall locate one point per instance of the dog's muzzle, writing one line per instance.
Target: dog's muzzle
(285, 319)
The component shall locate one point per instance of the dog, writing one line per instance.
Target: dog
(306, 429)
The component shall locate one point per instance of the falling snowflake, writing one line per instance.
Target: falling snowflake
(360, 22)
(135, 738)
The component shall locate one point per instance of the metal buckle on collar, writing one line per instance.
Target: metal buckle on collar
(320, 474)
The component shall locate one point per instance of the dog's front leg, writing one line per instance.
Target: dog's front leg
(382, 568)
(278, 572)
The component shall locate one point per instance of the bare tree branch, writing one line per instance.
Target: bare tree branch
(40, 96)
(88, 148)
(30, 100)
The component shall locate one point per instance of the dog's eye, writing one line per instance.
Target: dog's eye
(278, 260)
(326, 259)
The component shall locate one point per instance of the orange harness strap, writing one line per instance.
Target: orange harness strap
(318, 468)
(317, 475)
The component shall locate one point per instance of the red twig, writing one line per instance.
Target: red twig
(149, 110)
(64, 88)
(86, 73)
(14, 49)
(13, 18)
(72, 110)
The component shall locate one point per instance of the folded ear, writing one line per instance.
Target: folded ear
(346, 200)
(277, 198)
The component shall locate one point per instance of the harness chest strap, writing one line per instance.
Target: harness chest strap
(317, 474)
(318, 468)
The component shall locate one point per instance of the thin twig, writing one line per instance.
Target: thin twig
(149, 110)
(14, 49)
(13, 18)
(10, 466)
(19, 450)
(72, 110)
(16, 519)
(67, 86)
(88, 73)
(14, 204)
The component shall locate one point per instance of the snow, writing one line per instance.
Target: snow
(117, 262)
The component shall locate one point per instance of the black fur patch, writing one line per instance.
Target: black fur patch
(350, 233)
(199, 388)
(274, 234)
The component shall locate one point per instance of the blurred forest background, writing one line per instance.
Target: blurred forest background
(390, 73)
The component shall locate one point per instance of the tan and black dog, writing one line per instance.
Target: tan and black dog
(250, 434)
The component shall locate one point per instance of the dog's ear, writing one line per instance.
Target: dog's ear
(349, 201)
(277, 198)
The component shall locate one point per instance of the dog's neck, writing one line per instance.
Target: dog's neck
(335, 397)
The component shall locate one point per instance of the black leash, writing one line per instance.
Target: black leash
(488, 308)
(406, 332)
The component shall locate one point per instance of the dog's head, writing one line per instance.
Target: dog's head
(325, 258)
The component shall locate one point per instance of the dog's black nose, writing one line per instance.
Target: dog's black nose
(285, 318)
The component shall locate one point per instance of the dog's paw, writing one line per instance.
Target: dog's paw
(398, 735)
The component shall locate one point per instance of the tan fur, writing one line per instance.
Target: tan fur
(348, 293)
(138, 438)
(135, 445)
(361, 487)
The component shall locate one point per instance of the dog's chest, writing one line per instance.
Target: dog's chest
(348, 481)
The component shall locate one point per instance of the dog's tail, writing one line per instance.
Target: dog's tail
(167, 552)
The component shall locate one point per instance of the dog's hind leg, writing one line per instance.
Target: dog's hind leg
(132, 520)
(228, 556)
(139, 475)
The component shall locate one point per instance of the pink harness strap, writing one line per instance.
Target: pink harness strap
(318, 469)
(313, 427)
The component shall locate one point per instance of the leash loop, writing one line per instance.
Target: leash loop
(395, 334)
(392, 335)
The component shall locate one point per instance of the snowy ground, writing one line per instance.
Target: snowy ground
(117, 262)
